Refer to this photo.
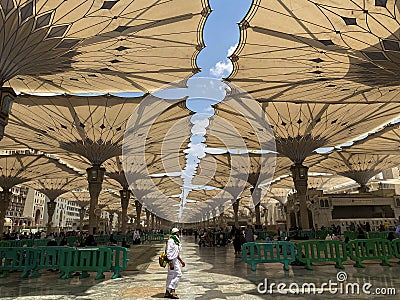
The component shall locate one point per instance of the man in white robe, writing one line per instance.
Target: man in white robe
(173, 248)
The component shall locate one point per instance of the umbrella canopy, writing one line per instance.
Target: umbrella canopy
(384, 141)
(19, 168)
(324, 51)
(99, 46)
(359, 167)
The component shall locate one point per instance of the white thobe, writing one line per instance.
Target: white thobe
(174, 276)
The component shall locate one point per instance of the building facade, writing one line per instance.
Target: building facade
(376, 207)
(66, 215)
(34, 207)
(15, 218)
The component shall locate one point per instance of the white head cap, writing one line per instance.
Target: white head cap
(175, 230)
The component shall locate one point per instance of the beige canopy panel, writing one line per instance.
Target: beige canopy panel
(111, 184)
(384, 141)
(55, 187)
(82, 130)
(239, 123)
(279, 194)
(115, 173)
(302, 128)
(19, 168)
(99, 46)
(359, 167)
(325, 51)
(202, 195)
(319, 182)
(113, 207)
(82, 197)
(253, 168)
(157, 133)
(214, 171)
(168, 185)
(168, 137)
(9, 144)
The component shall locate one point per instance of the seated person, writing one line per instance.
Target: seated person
(90, 241)
(113, 241)
(125, 244)
(52, 242)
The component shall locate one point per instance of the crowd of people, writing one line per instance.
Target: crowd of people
(220, 237)
(84, 239)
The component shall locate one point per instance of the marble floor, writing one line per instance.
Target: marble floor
(210, 273)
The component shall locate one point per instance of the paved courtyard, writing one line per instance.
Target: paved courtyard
(210, 273)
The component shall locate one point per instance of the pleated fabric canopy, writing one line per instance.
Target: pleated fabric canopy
(79, 46)
(324, 51)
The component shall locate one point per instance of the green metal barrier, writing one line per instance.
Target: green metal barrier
(396, 249)
(17, 259)
(86, 260)
(102, 239)
(16, 243)
(254, 253)
(120, 260)
(290, 233)
(262, 235)
(321, 251)
(119, 237)
(49, 257)
(228, 235)
(301, 234)
(40, 243)
(152, 237)
(306, 234)
(66, 259)
(5, 244)
(377, 234)
(71, 240)
(352, 235)
(321, 234)
(370, 249)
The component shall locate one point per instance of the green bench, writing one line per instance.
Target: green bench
(370, 249)
(254, 253)
(309, 252)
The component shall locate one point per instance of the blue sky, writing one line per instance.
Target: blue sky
(221, 36)
(221, 33)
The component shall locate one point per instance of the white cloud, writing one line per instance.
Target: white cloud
(221, 67)
(232, 49)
